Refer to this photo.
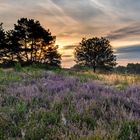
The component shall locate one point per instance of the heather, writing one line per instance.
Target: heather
(39, 104)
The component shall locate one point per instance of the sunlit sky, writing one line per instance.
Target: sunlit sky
(71, 20)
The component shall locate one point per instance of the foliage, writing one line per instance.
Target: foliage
(52, 56)
(96, 53)
(133, 68)
(2, 41)
(130, 68)
(27, 43)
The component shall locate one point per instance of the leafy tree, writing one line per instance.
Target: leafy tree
(2, 35)
(14, 48)
(29, 42)
(2, 42)
(96, 53)
(121, 69)
(133, 68)
(130, 68)
(52, 56)
(33, 40)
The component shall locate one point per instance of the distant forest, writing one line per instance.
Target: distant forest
(130, 68)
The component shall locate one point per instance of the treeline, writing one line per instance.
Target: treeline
(130, 68)
(28, 43)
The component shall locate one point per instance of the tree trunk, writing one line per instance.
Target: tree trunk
(94, 69)
(26, 49)
(94, 66)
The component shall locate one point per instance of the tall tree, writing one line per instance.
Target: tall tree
(2, 42)
(29, 42)
(14, 48)
(53, 58)
(33, 39)
(95, 52)
(2, 35)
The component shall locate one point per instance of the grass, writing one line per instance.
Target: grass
(117, 79)
(121, 81)
(8, 76)
(39, 104)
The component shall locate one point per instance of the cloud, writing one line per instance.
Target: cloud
(127, 54)
(67, 55)
(129, 49)
(130, 31)
(79, 10)
(69, 47)
(71, 20)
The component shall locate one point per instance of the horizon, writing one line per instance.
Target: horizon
(70, 21)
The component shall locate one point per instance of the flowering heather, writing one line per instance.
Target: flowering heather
(54, 106)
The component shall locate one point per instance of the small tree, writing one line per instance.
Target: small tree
(53, 58)
(96, 53)
(33, 39)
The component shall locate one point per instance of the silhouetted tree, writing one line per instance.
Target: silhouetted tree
(96, 53)
(14, 48)
(130, 68)
(53, 58)
(133, 68)
(121, 69)
(2, 42)
(2, 35)
(33, 39)
(28, 42)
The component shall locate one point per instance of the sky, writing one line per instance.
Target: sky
(72, 20)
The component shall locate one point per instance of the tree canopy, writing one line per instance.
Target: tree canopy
(96, 53)
(28, 42)
(2, 41)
